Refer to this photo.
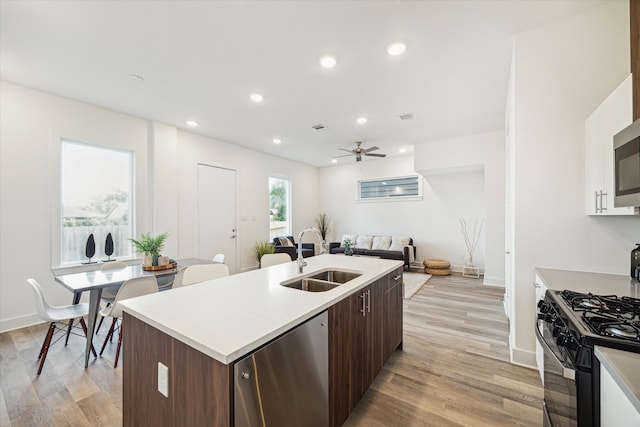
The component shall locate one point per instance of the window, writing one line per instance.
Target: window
(97, 198)
(279, 207)
(408, 187)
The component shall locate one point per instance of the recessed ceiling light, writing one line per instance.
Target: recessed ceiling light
(277, 140)
(256, 97)
(328, 61)
(395, 49)
(334, 161)
(402, 150)
(192, 123)
(361, 120)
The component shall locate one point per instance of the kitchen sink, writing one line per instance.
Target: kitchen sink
(335, 276)
(310, 285)
(322, 281)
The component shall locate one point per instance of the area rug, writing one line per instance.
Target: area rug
(413, 282)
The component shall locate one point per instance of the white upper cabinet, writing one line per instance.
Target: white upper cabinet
(613, 115)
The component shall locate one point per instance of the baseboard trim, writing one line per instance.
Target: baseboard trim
(523, 358)
(7, 325)
(493, 281)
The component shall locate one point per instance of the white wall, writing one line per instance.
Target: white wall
(31, 123)
(562, 72)
(432, 222)
(474, 152)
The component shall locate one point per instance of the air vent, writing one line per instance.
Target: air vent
(407, 116)
(319, 126)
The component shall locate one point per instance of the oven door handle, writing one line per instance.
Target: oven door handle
(567, 371)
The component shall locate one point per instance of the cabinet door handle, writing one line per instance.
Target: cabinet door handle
(603, 202)
(369, 301)
(363, 311)
(397, 277)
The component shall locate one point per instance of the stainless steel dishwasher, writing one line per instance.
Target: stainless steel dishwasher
(286, 383)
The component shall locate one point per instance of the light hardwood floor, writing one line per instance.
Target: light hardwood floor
(453, 370)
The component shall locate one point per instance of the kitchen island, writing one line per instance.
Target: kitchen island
(199, 331)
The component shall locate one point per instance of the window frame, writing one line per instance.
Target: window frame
(418, 196)
(56, 138)
(289, 210)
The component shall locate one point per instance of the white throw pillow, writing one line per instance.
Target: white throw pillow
(351, 237)
(398, 243)
(284, 241)
(381, 243)
(364, 242)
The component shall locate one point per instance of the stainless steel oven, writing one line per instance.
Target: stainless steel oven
(560, 391)
(570, 325)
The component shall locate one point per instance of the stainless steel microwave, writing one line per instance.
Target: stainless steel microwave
(626, 148)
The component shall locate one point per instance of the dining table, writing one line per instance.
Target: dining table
(95, 281)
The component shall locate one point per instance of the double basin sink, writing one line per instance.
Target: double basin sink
(321, 281)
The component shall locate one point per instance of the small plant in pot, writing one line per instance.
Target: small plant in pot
(151, 246)
(348, 247)
(262, 247)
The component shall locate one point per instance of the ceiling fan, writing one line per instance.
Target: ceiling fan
(359, 152)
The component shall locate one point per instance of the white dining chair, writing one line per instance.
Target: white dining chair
(268, 260)
(130, 289)
(109, 294)
(199, 273)
(53, 315)
(219, 258)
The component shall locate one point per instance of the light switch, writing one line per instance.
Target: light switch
(163, 379)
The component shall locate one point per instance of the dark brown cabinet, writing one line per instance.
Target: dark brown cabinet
(364, 329)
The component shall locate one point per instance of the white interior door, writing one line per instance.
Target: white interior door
(217, 213)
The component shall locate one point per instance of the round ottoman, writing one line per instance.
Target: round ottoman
(437, 267)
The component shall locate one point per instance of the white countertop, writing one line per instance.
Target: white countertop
(624, 367)
(229, 317)
(582, 281)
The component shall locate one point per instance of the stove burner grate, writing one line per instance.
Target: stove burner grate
(612, 325)
(626, 307)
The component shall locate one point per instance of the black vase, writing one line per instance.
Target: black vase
(90, 249)
(635, 262)
(108, 247)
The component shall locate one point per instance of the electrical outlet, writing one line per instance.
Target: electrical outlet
(163, 379)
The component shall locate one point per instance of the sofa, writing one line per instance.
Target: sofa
(385, 247)
(288, 245)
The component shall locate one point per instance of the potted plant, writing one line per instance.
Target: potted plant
(323, 224)
(151, 246)
(262, 247)
(348, 247)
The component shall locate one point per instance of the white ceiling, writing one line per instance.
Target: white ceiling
(201, 59)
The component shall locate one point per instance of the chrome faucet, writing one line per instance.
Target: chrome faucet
(301, 261)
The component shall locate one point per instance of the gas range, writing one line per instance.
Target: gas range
(607, 315)
(584, 320)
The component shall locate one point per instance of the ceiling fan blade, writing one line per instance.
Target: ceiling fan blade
(344, 149)
(367, 150)
(375, 155)
(346, 155)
